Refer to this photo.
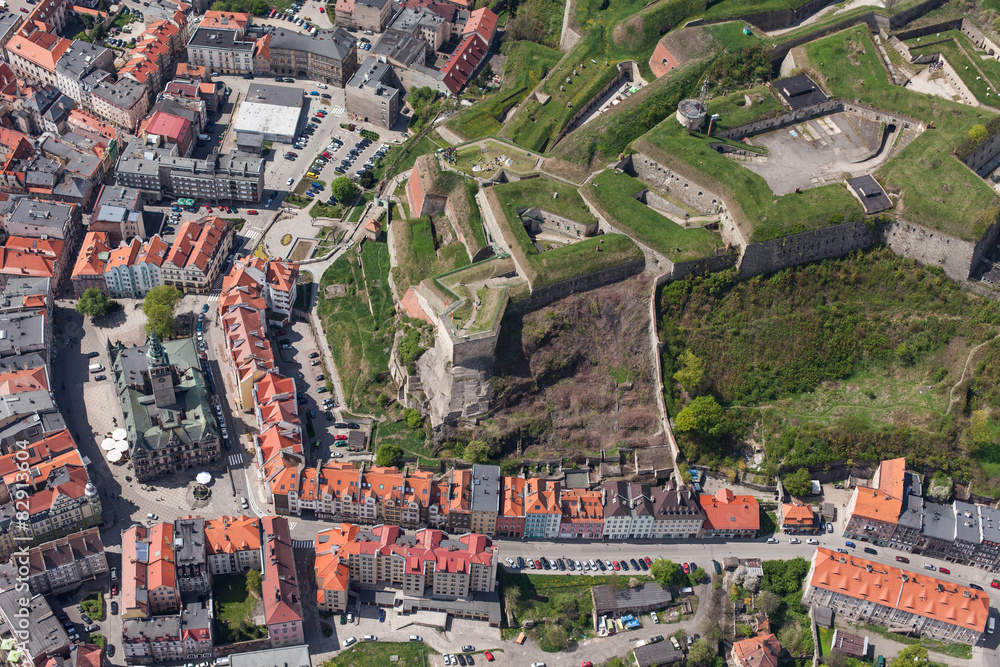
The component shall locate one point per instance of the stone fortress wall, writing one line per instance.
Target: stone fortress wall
(815, 111)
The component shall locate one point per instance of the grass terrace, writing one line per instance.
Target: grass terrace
(612, 195)
(566, 262)
(734, 9)
(959, 51)
(234, 610)
(468, 284)
(461, 194)
(612, 33)
(419, 254)
(486, 156)
(937, 189)
(526, 65)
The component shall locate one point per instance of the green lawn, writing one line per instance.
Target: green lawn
(521, 161)
(234, 609)
(734, 111)
(411, 441)
(93, 606)
(359, 326)
(620, 31)
(612, 194)
(409, 153)
(378, 654)
(732, 9)
(526, 65)
(417, 257)
(539, 192)
(938, 191)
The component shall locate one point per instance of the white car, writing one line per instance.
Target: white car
(655, 617)
(510, 561)
(795, 540)
(812, 541)
(321, 85)
(349, 641)
(772, 540)
(289, 181)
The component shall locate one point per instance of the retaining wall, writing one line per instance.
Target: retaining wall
(815, 111)
(972, 31)
(783, 18)
(653, 173)
(931, 29)
(627, 69)
(543, 296)
(956, 82)
(983, 154)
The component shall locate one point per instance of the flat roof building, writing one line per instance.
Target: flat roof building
(374, 93)
(270, 113)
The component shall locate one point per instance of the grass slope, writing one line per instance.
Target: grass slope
(378, 654)
(417, 255)
(358, 326)
(526, 65)
(612, 194)
(937, 190)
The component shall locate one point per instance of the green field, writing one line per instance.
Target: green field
(358, 326)
(732, 9)
(957, 49)
(760, 214)
(235, 606)
(937, 190)
(412, 441)
(612, 194)
(491, 157)
(526, 65)
(619, 32)
(407, 154)
(378, 654)
(417, 256)
(461, 194)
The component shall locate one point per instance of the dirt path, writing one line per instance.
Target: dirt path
(961, 379)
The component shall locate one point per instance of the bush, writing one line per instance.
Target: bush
(413, 418)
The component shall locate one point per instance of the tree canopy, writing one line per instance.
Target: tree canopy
(798, 483)
(388, 454)
(667, 573)
(703, 415)
(911, 656)
(94, 303)
(479, 451)
(343, 190)
(159, 308)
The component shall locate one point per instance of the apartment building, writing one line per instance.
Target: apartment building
(253, 277)
(582, 514)
(233, 544)
(82, 66)
(763, 650)
(374, 93)
(250, 352)
(34, 218)
(282, 604)
(363, 14)
(170, 638)
(485, 502)
(617, 511)
(421, 567)
(190, 560)
(331, 58)
(119, 212)
(35, 258)
(65, 563)
(730, 516)
(863, 591)
(149, 573)
(90, 263)
(221, 50)
(542, 513)
(798, 518)
(134, 268)
(510, 520)
(233, 178)
(123, 103)
(676, 513)
(199, 251)
(45, 642)
(873, 511)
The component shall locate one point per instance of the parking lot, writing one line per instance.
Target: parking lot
(339, 160)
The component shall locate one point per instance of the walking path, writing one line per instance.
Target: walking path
(961, 379)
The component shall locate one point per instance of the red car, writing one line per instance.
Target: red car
(538, 565)
(252, 212)
(995, 583)
(340, 437)
(586, 663)
(114, 589)
(489, 656)
(208, 208)
(326, 155)
(321, 11)
(24, 10)
(944, 570)
(282, 332)
(687, 569)
(617, 565)
(649, 561)
(902, 559)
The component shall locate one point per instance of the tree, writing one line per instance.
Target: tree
(768, 602)
(554, 638)
(667, 573)
(366, 180)
(698, 576)
(691, 372)
(479, 451)
(978, 133)
(254, 581)
(343, 189)
(413, 418)
(159, 309)
(701, 654)
(388, 454)
(703, 415)
(798, 483)
(93, 303)
(911, 656)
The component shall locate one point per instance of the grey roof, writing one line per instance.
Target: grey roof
(939, 521)
(18, 287)
(377, 4)
(966, 522)
(219, 38)
(660, 653)
(989, 524)
(912, 514)
(196, 613)
(914, 482)
(402, 46)
(377, 78)
(151, 628)
(80, 57)
(123, 93)
(25, 403)
(871, 194)
(672, 500)
(289, 656)
(19, 331)
(42, 98)
(609, 600)
(274, 95)
(42, 213)
(189, 541)
(94, 77)
(485, 488)
(172, 106)
(413, 18)
(800, 91)
(60, 109)
(46, 635)
(117, 195)
(337, 45)
(72, 158)
(616, 499)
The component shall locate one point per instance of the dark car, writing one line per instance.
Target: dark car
(340, 425)
(343, 619)
(353, 426)
(976, 586)
(114, 607)
(100, 377)
(600, 564)
(562, 564)
(329, 416)
(85, 619)
(93, 354)
(111, 650)
(289, 80)
(643, 565)
(625, 565)
(381, 615)
(634, 564)
(869, 550)
(902, 559)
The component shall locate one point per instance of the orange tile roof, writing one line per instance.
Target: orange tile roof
(513, 497)
(227, 20)
(483, 22)
(124, 255)
(29, 379)
(227, 535)
(541, 496)
(892, 477)
(33, 301)
(918, 593)
(193, 71)
(797, 514)
(41, 48)
(30, 257)
(197, 242)
(885, 501)
(262, 47)
(581, 506)
(725, 511)
(764, 650)
(282, 275)
(161, 557)
(154, 251)
(280, 585)
(89, 263)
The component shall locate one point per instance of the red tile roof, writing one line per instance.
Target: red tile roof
(93, 255)
(725, 511)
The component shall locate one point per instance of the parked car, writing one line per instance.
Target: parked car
(944, 570)
(902, 559)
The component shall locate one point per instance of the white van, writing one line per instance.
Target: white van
(349, 641)
(416, 638)
(222, 661)
(96, 368)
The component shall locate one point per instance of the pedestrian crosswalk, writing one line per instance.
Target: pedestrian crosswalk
(292, 524)
(337, 111)
(251, 234)
(302, 544)
(212, 298)
(236, 459)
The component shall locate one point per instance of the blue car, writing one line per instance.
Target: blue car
(315, 93)
(317, 184)
(176, 209)
(851, 544)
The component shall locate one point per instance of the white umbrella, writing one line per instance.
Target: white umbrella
(119, 434)
(115, 456)
(121, 446)
(108, 444)
(204, 477)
